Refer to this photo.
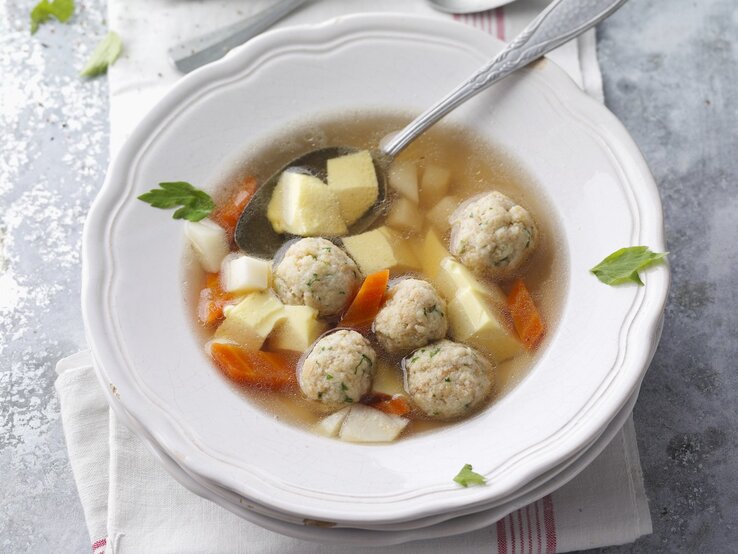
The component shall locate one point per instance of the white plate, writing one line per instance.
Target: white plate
(139, 325)
(448, 525)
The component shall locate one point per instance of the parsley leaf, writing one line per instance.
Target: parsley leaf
(104, 55)
(195, 204)
(46, 9)
(622, 266)
(467, 477)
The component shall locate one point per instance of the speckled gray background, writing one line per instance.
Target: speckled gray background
(671, 75)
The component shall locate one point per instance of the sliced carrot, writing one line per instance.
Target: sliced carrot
(227, 214)
(367, 301)
(212, 300)
(395, 405)
(256, 368)
(526, 317)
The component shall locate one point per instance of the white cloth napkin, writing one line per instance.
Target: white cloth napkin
(132, 505)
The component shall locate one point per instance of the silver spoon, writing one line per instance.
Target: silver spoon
(561, 21)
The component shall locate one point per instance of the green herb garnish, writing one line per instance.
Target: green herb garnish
(622, 266)
(467, 477)
(104, 55)
(195, 204)
(61, 10)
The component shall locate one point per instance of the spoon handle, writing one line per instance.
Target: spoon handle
(560, 22)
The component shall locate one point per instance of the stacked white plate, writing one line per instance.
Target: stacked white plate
(529, 442)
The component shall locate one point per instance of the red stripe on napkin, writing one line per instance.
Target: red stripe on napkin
(501, 537)
(98, 547)
(550, 524)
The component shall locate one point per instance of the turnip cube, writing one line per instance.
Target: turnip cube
(403, 177)
(404, 216)
(365, 424)
(209, 241)
(330, 425)
(245, 274)
(434, 184)
(439, 214)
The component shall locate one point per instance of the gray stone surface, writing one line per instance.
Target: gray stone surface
(671, 75)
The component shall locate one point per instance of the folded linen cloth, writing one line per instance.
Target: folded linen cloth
(132, 505)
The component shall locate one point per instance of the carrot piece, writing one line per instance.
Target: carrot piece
(526, 317)
(212, 300)
(227, 214)
(256, 368)
(395, 405)
(368, 300)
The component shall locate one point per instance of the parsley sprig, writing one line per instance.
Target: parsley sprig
(467, 477)
(622, 266)
(195, 203)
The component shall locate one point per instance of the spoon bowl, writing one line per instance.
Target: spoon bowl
(254, 222)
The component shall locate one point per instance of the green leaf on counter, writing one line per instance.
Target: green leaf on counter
(104, 55)
(195, 204)
(467, 477)
(46, 9)
(622, 266)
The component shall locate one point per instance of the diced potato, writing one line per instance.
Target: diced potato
(434, 184)
(298, 330)
(303, 205)
(243, 274)
(438, 215)
(276, 206)
(452, 276)
(209, 241)
(365, 424)
(381, 248)
(432, 251)
(249, 322)
(404, 216)
(387, 379)
(330, 425)
(474, 321)
(403, 177)
(354, 181)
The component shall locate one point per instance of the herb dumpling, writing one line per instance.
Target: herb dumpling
(339, 369)
(413, 315)
(447, 379)
(492, 235)
(315, 272)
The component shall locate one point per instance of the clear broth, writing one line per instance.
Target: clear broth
(476, 166)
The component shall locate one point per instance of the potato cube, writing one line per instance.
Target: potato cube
(432, 252)
(298, 330)
(249, 322)
(353, 180)
(209, 241)
(434, 184)
(243, 274)
(404, 216)
(365, 424)
(473, 320)
(438, 215)
(403, 177)
(303, 205)
(387, 379)
(452, 276)
(381, 248)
